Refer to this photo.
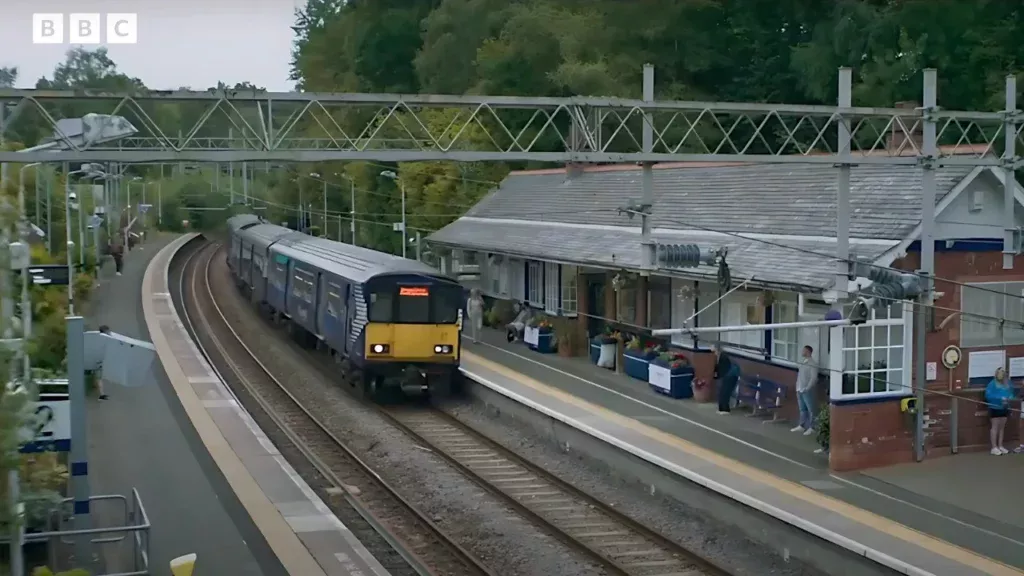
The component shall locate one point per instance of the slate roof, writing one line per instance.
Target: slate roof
(788, 199)
(771, 266)
(778, 199)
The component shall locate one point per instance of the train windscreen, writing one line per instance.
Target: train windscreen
(417, 304)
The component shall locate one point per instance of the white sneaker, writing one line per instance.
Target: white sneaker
(722, 412)
(995, 452)
(1004, 450)
(118, 273)
(809, 431)
(797, 429)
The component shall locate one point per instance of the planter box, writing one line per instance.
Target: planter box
(635, 365)
(544, 343)
(676, 385)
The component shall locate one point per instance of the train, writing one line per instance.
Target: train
(392, 324)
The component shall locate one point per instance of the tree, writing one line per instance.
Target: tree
(8, 76)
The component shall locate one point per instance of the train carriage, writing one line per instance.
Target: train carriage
(394, 322)
(235, 224)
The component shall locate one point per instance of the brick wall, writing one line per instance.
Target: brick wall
(874, 434)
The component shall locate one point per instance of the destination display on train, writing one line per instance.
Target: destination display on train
(413, 291)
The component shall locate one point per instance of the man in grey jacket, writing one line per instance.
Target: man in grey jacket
(806, 378)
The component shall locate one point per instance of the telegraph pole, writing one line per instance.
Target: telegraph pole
(1009, 179)
(647, 263)
(929, 162)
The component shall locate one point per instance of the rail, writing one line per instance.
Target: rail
(135, 530)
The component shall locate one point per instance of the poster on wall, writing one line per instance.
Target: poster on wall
(1017, 367)
(984, 364)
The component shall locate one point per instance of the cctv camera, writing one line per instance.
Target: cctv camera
(72, 196)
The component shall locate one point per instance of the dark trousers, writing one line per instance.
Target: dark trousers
(726, 386)
(118, 262)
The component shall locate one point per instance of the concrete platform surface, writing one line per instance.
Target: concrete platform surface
(300, 529)
(901, 500)
(140, 438)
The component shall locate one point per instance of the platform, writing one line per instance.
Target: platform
(302, 534)
(932, 519)
(139, 438)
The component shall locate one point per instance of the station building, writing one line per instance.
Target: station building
(557, 239)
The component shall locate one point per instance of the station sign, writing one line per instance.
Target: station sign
(48, 426)
(48, 275)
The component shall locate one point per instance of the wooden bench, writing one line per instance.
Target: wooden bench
(761, 396)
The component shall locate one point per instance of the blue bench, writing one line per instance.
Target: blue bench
(762, 396)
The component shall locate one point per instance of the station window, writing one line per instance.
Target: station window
(569, 287)
(874, 355)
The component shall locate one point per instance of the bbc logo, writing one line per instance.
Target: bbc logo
(85, 28)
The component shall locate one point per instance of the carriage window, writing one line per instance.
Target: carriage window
(414, 304)
(445, 303)
(381, 307)
(334, 300)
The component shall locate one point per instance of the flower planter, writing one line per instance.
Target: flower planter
(540, 340)
(675, 383)
(636, 364)
(705, 394)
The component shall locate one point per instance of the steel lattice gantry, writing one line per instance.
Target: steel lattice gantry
(234, 126)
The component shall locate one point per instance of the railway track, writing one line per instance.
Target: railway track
(623, 545)
(416, 545)
(615, 541)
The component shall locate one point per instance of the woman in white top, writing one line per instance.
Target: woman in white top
(475, 309)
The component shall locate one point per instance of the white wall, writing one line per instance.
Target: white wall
(977, 212)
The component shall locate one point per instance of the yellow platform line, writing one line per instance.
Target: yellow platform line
(296, 559)
(870, 519)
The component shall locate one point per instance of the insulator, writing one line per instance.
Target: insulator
(683, 255)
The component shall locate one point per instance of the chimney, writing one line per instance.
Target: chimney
(573, 170)
(904, 138)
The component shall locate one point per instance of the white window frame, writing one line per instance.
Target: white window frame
(517, 279)
(535, 279)
(979, 332)
(786, 342)
(684, 293)
(552, 289)
(859, 349)
(738, 309)
(569, 287)
(626, 297)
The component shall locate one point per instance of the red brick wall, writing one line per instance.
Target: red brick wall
(878, 434)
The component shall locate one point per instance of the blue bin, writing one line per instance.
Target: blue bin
(635, 365)
(546, 343)
(680, 384)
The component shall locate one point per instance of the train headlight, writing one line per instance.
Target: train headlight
(379, 348)
(442, 349)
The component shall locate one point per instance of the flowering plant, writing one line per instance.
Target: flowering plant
(699, 384)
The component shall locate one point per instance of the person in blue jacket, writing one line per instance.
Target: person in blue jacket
(998, 395)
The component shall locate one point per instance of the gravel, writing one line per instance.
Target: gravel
(672, 518)
(483, 525)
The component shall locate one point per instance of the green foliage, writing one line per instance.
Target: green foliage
(44, 571)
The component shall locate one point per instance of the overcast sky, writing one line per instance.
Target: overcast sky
(180, 42)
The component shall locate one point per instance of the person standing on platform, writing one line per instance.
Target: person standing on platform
(116, 250)
(727, 373)
(475, 308)
(806, 378)
(998, 395)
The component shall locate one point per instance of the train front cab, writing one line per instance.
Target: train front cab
(411, 338)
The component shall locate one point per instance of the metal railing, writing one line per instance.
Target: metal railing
(134, 530)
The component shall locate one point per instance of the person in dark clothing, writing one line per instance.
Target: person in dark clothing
(117, 253)
(727, 373)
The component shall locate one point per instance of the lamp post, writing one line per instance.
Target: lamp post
(69, 197)
(324, 181)
(391, 175)
(351, 206)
